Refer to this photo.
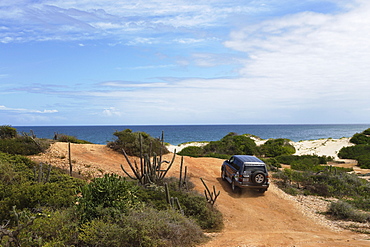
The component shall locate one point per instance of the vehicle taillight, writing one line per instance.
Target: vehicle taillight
(240, 178)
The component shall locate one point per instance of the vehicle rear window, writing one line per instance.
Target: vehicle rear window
(252, 168)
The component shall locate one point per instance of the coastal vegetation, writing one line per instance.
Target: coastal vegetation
(25, 144)
(360, 151)
(40, 205)
(233, 143)
(307, 174)
(310, 176)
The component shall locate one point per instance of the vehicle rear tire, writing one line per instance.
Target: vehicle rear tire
(234, 188)
(258, 177)
(223, 174)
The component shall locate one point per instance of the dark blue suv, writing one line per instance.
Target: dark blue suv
(245, 171)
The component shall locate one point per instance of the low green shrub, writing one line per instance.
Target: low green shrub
(19, 186)
(142, 228)
(232, 144)
(6, 131)
(272, 164)
(353, 152)
(366, 132)
(364, 161)
(277, 147)
(196, 207)
(344, 210)
(336, 183)
(361, 138)
(23, 145)
(193, 204)
(304, 162)
(192, 151)
(110, 194)
(52, 228)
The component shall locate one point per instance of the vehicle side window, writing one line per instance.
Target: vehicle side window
(231, 160)
(235, 165)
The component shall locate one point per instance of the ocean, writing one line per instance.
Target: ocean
(177, 134)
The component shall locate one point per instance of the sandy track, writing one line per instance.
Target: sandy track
(251, 219)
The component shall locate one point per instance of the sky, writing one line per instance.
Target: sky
(159, 62)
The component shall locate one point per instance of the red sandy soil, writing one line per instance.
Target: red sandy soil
(250, 218)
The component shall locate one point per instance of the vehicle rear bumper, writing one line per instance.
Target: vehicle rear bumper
(253, 186)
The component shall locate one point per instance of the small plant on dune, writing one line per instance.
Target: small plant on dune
(71, 139)
(344, 210)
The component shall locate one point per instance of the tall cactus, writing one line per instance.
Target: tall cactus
(182, 179)
(149, 171)
(172, 201)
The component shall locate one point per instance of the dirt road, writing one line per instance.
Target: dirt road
(251, 219)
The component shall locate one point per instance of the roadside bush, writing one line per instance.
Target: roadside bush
(130, 142)
(196, 207)
(343, 210)
(360, 203)
(193, 204)
(337, 184)
(19, 186)
(33, 195)
(110, 195)
(276, 147)
(142, 228)
(52, 228)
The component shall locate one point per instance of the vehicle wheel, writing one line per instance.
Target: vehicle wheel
(233, 186)
(223, 174)
(258, 177)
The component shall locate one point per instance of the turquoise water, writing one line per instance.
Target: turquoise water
(176, 134)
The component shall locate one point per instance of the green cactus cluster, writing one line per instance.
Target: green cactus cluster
(149, 170)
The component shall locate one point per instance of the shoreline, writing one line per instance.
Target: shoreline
(321, 147)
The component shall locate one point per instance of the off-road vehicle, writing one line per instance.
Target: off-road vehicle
(245, 171)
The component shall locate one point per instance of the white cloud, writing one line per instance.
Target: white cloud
(81, 20)
(22, 110)
(309, 58)
(111, 112)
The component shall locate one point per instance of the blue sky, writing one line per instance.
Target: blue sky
(109, 62)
